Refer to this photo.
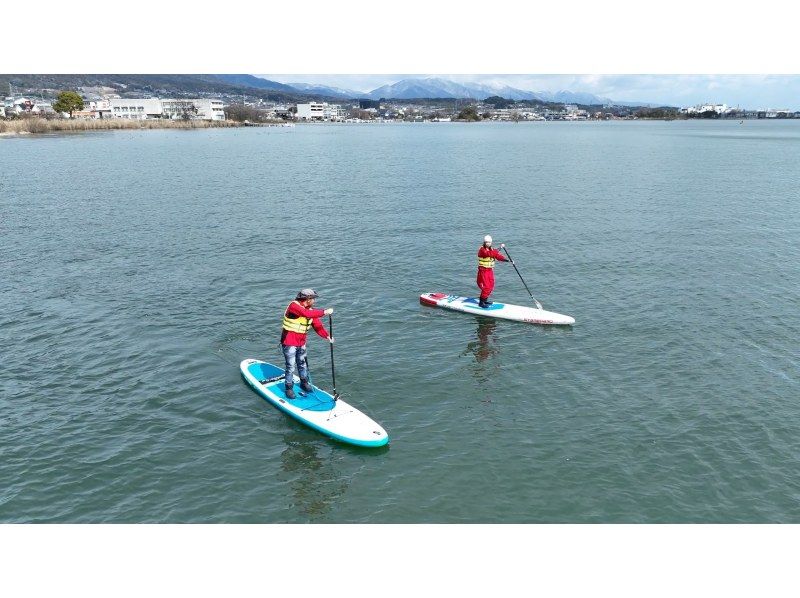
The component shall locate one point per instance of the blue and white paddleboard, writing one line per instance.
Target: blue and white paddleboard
(316, 409)
(506, 311)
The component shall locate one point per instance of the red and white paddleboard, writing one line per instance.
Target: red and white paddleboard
(506, 311)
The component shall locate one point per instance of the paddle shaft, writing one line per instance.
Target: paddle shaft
(333, 369)
(539, 305)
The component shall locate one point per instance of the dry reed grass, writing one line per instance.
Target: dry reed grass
(41, 125)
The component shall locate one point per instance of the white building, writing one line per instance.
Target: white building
(136, 109)
(208, 109)
(94, 110)
(503, 113)
(178, 109)
(334, 112)
(777, 113)
(311, 111)
(141, 109)
(199, 109)
(700, 108)
(42, 107)
(102, 108)
(321, 111)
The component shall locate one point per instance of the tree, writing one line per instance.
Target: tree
(361, 114)
(704, 114)
(242, 112)
(498, 102)
(469, 114)
(186, 110)
(664, 112)
(68, 101)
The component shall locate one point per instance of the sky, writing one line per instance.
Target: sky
(746, 91)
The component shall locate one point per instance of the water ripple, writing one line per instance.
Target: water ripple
(128, 302)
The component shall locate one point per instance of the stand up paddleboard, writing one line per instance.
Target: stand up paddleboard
(506, 311)
(316, 409)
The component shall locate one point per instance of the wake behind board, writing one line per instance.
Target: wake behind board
(316, 409)
(506, 311)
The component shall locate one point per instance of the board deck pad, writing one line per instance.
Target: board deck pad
(506, 311)
(317, 409)
(318, 400)
(475, 303)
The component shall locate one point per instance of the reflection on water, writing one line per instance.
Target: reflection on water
(483, 348)
(317, 484)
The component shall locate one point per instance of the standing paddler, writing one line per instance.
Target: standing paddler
(298, 318)
(486, 259)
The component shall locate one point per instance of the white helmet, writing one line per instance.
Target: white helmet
(487, 239)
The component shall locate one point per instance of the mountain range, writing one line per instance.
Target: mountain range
(160, 85)
(250, 85)
(436, 87)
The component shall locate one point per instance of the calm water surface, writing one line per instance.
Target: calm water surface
(139, 268)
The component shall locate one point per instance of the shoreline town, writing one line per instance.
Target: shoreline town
(26, 114)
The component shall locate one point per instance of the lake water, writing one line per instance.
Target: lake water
(139, 269)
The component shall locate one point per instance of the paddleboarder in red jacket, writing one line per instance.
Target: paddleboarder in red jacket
(298, 318)
(486, 259)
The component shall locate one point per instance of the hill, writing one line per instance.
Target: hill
(159, 85)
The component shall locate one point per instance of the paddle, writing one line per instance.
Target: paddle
(538, 305)
(333, 369)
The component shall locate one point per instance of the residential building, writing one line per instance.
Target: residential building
(504, 114)
(778, 113)
(334, 112)
(708, 107)
(572, 112)
(19, 105)
(531, 116)
(96, 110)
(27, 105)
(42, 107)
(284, 112)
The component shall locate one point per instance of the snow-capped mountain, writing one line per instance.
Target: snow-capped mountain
(435, 87)
(432, 87)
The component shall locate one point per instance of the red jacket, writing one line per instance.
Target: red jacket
(296, 339)
(495, 253)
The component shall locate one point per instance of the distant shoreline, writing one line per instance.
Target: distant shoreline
(41, 126)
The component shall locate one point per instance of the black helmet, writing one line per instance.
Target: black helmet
(307, 294)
